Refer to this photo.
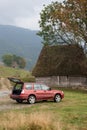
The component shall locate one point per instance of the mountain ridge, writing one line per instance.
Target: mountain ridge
(20, 41)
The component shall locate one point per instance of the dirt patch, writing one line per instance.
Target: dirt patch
(7, 103)
(5, 83)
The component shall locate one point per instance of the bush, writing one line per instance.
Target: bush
(28, 78)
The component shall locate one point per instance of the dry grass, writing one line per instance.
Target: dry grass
(4, 83)
(33, 121)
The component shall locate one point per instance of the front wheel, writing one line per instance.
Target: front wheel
(57, 98)
(31, 99)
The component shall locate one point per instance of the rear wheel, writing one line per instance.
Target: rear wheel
(31, 99)
(19, 100)
(57, 98)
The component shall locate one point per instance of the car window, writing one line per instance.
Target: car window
(37, 87)
(28, 86)
(18, 86)
(44, 87)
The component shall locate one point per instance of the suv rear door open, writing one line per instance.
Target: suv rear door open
(17, 88)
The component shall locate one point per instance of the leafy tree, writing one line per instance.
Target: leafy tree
(14, 61)
(64, 23)
(21, 62)
(8, 59)
(75, 14)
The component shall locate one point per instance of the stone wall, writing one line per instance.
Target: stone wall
(63, 81)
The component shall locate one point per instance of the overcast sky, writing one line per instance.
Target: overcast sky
(22, 13)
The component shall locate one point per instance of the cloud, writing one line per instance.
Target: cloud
(23, 13)
(31, 23)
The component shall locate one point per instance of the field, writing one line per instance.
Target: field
(22, 74)
(13, 72)
(70, 114)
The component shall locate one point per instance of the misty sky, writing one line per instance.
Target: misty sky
(22, 13)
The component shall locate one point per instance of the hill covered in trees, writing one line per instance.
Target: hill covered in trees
(21, 42)
(63, 60)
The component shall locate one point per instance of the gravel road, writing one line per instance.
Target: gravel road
(4, 93)
(6, 103)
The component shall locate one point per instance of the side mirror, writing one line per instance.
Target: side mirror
(49, 88)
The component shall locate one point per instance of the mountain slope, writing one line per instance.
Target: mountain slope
(20, 41)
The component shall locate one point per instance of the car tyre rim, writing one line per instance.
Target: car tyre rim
(31, 99)
(57, 98)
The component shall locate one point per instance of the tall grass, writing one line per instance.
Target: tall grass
(33, 121)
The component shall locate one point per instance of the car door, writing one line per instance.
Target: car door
(38, 91)
(47, 93)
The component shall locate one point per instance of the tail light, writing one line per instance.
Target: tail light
(22, 92)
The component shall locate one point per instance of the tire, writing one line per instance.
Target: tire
(57, 98)
(31, 99)
(19, 100)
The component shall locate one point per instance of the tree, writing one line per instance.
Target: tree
(75, 13)
(14, 61)
(21, 62)
(64, 23)
(8, 59)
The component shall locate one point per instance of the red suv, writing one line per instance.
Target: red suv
(33, 92)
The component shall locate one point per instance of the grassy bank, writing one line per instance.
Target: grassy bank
(70, 114)
(13, 72)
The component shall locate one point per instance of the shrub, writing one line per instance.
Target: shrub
(28, 78)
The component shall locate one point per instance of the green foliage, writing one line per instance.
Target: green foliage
(49, 27)
(8, 59)
(14, 61)
(28, 78)
(64, 23)
(61, 60)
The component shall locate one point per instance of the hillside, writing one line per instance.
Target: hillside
(20, 41)
(5, 72)
(12, 72)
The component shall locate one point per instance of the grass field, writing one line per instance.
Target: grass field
(22, 74)
(70, 114)
(13, 72)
